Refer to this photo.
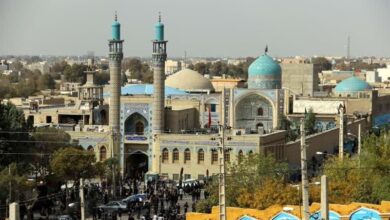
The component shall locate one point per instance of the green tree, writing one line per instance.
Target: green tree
(14, 134)
(250, 174)
(72, 164)
(310, 121)
(75, 73)
(46, 81)
(323, 62)
(102, 78)
(20, 186)
(363, 178)
(59, 67)
(46, 142)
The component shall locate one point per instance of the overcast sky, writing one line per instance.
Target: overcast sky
(206, 28)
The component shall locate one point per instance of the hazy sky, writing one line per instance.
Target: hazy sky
(225, 28)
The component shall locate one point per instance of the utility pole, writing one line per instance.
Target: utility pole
(10, 185)
(82, 204)
(341, 132)
(324, 198)
(305, 182)
(359, 139)
(222, 198)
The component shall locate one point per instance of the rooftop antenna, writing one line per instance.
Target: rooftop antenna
(266, 49)
(185, 58)
(159, 16)
(116, 16)
(348, 47)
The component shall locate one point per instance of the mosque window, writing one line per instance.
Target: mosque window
(165, 155)
(260, 111)
(200, 156)
(103, 153)
(250, 153)
(214, 157)
(187, 155)
(139, 128)
(213, 107)
(175, 155)
(227, 156)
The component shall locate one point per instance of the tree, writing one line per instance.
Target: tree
(75, 73)
(72, 164)
(310, 121)
(59, 67)
(46, 81)
(102, 78)
(323, 62)
(252, 173)
(46, 142)
(19, 184)
(363, 178)
(14, 134)
(138, 70)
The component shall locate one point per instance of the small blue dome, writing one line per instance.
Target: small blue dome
(352, 84)
(264, 73)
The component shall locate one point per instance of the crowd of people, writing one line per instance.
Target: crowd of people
(155, 199)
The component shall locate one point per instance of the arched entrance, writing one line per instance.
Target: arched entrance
(137, 164)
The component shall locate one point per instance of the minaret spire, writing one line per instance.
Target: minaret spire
(266, 49)
(159, 16)
(116, 16)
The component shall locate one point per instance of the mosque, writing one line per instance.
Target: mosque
(172, 124)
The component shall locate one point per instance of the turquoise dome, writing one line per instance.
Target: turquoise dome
(352, 84)
(264, 73)
(116, 30)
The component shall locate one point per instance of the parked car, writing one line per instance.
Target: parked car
(113, 206)
(65, 217)
(135, 198)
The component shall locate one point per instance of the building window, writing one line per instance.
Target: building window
(187, 155)
(214, 157)
(48, 119)
(200, 177)
(139, 128)
(165, 155)
(250, 153)
(175, 176)
(213, 107)
(200, 156)
(260, 111)
(187, 176)
(227, 156)
(175, 155)
(103, 153)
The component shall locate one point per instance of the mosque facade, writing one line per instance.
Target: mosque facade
(173, 123)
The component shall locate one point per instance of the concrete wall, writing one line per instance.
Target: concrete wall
(300, 78)
(325, 141)
(177, 120)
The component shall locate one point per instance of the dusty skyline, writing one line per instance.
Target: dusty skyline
(202, 28)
